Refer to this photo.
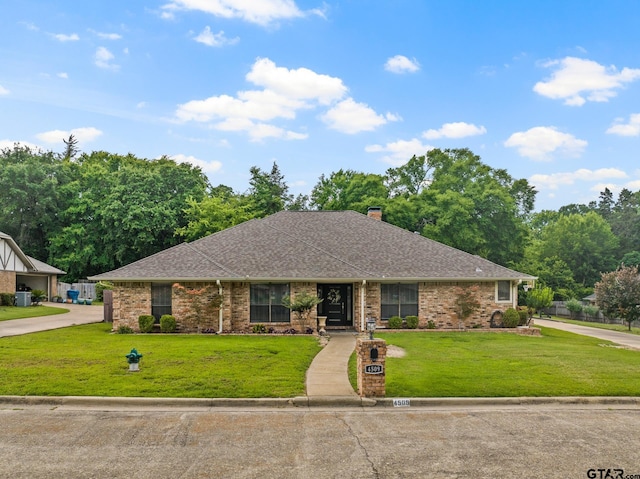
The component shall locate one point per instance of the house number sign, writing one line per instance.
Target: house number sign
(373, 369)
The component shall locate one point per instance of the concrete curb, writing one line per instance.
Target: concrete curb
(309, 402)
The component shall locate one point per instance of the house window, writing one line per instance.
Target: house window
(266, 303)
(503, 291)
(160, 299)
(399, 300)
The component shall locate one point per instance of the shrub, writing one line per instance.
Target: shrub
(124, 330)
(38, 295)
(574, 306)
(591, 311)
(6, 299)
(524, 316)
(412, 322)
(511, 318)
(100, 287)
(168, 323)
(259, 329)
(395, 322)
(431, 324)
(145, 322)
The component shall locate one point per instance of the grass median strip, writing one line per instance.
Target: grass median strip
(507, 365)
(90, 361)
(13, 312)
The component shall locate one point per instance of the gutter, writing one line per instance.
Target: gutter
(220, 308)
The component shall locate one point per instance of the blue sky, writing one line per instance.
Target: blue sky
(549, 90)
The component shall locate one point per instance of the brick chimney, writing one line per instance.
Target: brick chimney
(375, 212)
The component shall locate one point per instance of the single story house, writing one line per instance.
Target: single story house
(19, 272)
(360, 266)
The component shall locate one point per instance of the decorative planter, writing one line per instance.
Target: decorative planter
(322, 324)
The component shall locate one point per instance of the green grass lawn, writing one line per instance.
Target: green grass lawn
(623, 328)
(508, 365)
(13, 312)
(89, 360)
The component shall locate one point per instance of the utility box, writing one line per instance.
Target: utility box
(23, 298)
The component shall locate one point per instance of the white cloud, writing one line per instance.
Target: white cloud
(63, 75)
(351, 117)
(630, 129)
(207, 37)
(261, 12)
(3, 91)
(541, 142)
(399, 152)
(455, 130)
(300, 83)
(577, 81)
(206, 166)
(556, 180)
(104, 58)
(401, 64)
(9, 144)
(66, 38)
(83, 135)
(106, 36)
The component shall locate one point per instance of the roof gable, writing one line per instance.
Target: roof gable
(313, 245)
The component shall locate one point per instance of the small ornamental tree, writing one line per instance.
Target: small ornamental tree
(203, 302)
(540, 298)
(466, 302)
(618, 294)
(302, 305)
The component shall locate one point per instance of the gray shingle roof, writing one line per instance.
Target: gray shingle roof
(312, 245)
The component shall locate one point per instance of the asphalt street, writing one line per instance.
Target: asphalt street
(542, 441)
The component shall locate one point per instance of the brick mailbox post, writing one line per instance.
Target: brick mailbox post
(371, 367)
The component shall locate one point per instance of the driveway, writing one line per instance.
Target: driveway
(78, 314)
(624, 339)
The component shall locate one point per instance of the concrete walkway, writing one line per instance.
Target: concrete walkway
(327, 376)
(78, 314)
(624, 339)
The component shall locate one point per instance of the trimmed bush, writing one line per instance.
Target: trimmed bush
(395, 322)
(168, 323)
(431, 324)
(574, 306)
(124, 330)
(412, 322)
(6, 299)
(511, 318)
(524, 316)
(145, 322)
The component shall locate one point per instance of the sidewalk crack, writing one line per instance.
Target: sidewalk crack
(376, 473)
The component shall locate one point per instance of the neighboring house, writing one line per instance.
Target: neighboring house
(359, 265)
(21, 272)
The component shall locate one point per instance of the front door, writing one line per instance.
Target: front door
(336, 304)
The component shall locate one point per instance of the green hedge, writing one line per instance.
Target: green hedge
(395, 322)
(412, 322)
(6, 299)
(168, 324)
(146, 322)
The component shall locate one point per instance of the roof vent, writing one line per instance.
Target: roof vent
(375, 212)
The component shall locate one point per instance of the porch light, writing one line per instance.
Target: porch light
(371, 327)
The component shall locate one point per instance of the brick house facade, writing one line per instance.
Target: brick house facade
(359, 266)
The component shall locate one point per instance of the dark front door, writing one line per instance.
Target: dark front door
(336, 304)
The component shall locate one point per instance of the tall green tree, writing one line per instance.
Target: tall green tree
(584, 242)
(123, 208)
(349, 190)
(31, 196)
(269, 192)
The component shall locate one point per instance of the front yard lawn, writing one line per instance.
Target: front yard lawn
(507, 365)
(90, 361)
(14, 312)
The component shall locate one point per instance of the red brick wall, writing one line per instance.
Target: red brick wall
(130, 300)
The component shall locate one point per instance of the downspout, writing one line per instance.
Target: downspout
(221, 306)
(362, 294)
